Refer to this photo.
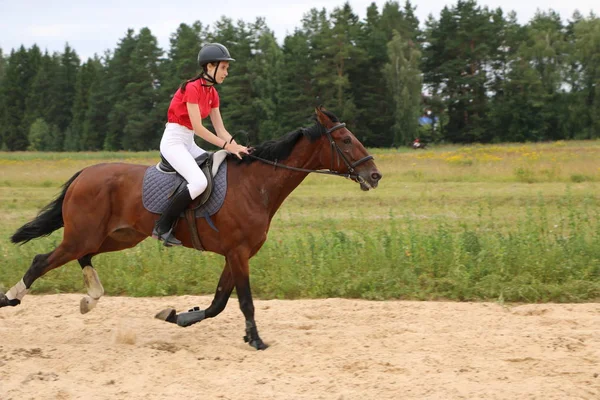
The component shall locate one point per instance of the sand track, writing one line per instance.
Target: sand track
(320, 349)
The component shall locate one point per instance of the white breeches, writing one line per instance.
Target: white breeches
(178, 147)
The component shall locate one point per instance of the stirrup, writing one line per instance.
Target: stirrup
(167, 238)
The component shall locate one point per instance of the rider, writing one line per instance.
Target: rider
(195, 100)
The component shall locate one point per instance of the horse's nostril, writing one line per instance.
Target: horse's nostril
(376, 176)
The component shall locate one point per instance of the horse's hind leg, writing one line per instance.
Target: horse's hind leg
(128, 238)
(42, 263)
(14, 296)
(92, 284)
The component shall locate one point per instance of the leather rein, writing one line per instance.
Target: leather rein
(335, 150)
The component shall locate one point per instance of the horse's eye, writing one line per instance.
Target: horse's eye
(347, 140)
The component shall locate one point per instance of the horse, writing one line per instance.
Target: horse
(101, 211)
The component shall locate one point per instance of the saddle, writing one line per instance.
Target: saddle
(209, 163)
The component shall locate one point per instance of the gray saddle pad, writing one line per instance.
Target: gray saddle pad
(158, 185)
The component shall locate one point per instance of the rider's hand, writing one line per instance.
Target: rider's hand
(237, 149)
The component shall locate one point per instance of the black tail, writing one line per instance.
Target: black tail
(48, 220)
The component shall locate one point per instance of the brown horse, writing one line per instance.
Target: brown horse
(101, 210)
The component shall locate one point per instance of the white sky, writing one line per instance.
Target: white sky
(94, 26)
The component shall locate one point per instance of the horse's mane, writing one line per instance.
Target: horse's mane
(280, 149)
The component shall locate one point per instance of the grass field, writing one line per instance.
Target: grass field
(502, 222)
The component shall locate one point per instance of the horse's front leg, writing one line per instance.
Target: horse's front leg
(240, 269)
(195, 315)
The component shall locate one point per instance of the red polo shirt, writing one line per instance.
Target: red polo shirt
(206, 97)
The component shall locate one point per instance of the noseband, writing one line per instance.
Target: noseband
(340, 154)
(335, 151)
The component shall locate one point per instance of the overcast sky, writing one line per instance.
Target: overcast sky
(94, 26)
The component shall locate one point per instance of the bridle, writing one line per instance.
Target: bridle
(335, 150)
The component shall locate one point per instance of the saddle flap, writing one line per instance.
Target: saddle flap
(209, 167)
(218, 158)
(203, 198)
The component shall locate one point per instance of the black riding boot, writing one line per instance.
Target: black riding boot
(163, 229)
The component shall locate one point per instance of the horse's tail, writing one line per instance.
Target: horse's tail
(48, 220)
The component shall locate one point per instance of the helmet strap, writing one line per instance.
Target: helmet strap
(211, 79)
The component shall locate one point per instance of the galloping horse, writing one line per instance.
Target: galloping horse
(101, 210)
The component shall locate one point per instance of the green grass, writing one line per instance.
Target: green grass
(505, 223)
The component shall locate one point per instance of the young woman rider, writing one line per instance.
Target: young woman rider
(195, 100)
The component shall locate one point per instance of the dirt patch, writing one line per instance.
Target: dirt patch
(320, 349)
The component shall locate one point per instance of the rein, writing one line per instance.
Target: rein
(334, 149)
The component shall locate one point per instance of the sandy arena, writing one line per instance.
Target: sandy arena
(320, 349)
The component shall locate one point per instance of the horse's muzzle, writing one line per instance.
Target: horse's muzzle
(369, 179)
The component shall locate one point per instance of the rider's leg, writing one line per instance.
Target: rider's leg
(194, 150)
(175, 147)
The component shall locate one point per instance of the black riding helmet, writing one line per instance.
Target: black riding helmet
(210, 53)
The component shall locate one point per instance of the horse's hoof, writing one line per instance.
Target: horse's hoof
(258, 344)
(261, 346)
(190, 318)
(4, 301)
(87, 304)
(168, 315)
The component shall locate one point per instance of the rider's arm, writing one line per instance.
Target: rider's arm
(217, 122)
(199, 129)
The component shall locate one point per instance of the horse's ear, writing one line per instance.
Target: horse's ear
(321, 117)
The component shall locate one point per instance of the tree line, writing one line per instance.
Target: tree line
(484, 77)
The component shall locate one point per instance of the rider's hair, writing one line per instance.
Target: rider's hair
(200, 75)
(184, 84)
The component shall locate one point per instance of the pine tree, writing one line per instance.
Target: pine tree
(374, 103)
(460, 50)
(317, 28)
(393, 18)
(66, 82)
(334, 57)
(95, 125)
(39, 136)
(296, 94)
(182, 60)
(586, 89)
(411, 22)
(41, 98)
(2, 95)
(536, 80)
(403, 78)
(347, 58)
(236, 94)
(142, 129)
(265, 67)
(74, 137)
(21, 69)
(500, 117)
(2, 66)
(119, 75)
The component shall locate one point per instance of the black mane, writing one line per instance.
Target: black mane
(280, 149)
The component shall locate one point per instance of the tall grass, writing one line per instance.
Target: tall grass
(543, 259)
